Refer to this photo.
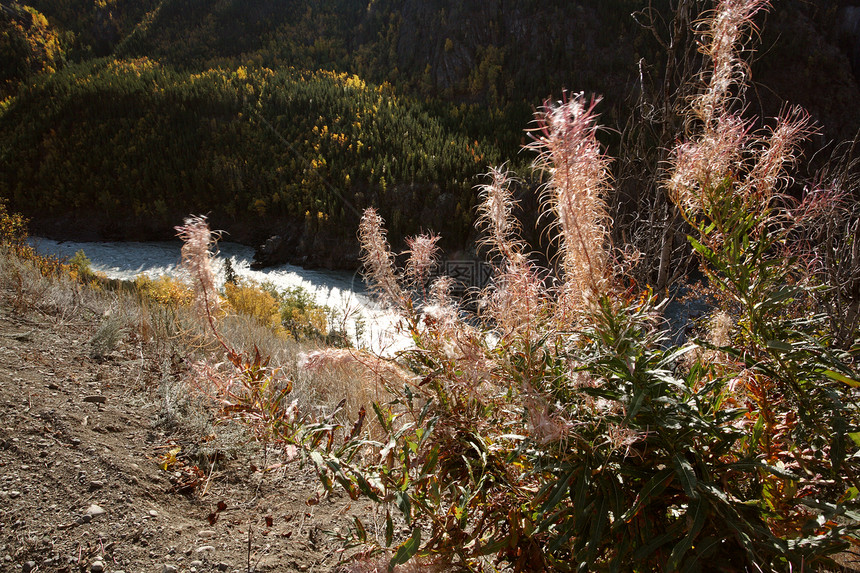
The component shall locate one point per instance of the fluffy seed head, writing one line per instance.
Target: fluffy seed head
(777, 151)
(568, 151)
(378, 258)
(517, 300)
(495, 216)
(724, 32)
(700, 165)
(725, 157)
(422, 258)
(197, 255)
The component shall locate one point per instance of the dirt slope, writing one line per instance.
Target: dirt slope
(76, 433)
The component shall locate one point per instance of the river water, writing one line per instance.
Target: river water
(342, 291)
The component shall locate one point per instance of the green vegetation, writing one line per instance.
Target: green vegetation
(121, 137)
(28, 46)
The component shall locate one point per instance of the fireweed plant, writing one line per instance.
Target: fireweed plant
(555, 428)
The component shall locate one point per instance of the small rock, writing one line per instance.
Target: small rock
(169, 569)
(97, 567)
(196, 563)
(95, 485)
(153, 513)
(13, 494)
(205, 549)
(28, 566)
(96, 399)
(95, 511)
(222, 567)
(84, 519)
(205, 534)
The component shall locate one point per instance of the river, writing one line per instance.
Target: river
(339, 290)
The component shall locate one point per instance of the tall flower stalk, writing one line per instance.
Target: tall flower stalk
(578, 175)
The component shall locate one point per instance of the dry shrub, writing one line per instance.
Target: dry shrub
(166, 290)
(248, 298)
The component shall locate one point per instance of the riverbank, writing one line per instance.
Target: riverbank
(364, 321)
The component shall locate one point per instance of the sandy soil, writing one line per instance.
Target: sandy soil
(89, 483)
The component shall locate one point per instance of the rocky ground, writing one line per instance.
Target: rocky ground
(93, 479)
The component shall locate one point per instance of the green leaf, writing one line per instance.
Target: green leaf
(558, 491)
(684, 471)
(652, 488)
(321, 472)
(318, 460)
(779, 346)
(365, 487)
(671, 358)
(579, 494)
(598, 525)
(751, 465)
(842, 378)
(424, 411)
(512, 437)
(699, 247)
(562, 539)
(757, 431)
(782, 294)
(495, 546)
(636, 403)
(406, 550)
(360, 531)
(334, 465)
(696, 517)
(704, 549)
(657, 542)
(381, 417)
(389, 529)
(404, 504)
(837, 445)
(430, 464)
